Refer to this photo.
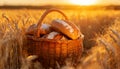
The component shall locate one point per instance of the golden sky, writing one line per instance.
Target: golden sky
(43, 2)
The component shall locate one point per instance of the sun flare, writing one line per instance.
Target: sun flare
(83, 2)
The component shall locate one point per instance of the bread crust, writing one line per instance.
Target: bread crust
(67, 28)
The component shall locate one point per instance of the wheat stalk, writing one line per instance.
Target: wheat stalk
(116, 33)
(109, 47)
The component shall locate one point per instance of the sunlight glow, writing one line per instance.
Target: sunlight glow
(83, 2)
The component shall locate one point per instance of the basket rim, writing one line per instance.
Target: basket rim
(31, 37)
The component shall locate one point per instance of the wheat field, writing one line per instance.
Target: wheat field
(100, 28)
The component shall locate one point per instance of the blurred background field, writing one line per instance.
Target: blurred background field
(98, 20)
(90, 22)
(101, 29)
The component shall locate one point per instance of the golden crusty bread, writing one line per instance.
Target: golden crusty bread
(44, 29)
(67, 28)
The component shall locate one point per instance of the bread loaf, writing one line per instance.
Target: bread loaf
(54, 35)
(67, 28)
(44, 29)
(31, 29)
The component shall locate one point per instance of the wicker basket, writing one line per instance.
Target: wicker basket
(50, 50)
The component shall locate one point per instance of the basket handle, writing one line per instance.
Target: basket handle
(43, 16)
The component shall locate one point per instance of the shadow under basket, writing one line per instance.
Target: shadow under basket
(51, 51)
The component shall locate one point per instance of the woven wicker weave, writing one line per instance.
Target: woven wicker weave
(50, 50)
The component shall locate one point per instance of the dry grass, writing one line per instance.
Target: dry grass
(104, 55)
